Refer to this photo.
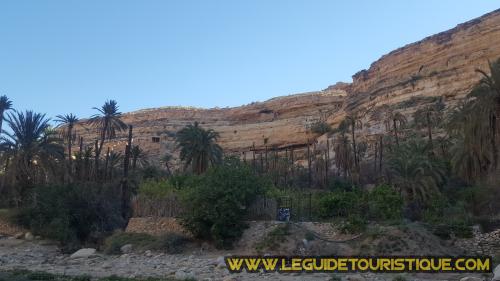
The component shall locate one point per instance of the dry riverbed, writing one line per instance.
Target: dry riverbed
(43, 256)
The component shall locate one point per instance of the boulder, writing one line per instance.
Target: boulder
(220, 262)
(29, 236)
(125, 249)
(83, 253)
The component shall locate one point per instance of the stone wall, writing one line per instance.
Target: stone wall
(155, 226)
(9, 229)
(481, 243)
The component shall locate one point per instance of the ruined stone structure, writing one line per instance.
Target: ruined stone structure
(440, 66)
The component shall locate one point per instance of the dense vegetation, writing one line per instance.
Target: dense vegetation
(432, 167)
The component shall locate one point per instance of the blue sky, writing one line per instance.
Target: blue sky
(67, 56)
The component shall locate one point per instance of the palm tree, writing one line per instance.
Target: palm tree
(473, 148)
(354, 121)
(5, 104)
(343, 155)
(167, 158)
(87, 163)
(198, 147)
(69, 121)
(414, 172)
(429, 117)
(107, 122)
(138, 157)
(487, 93)
(31, 146)
(398, 120)
(115, 160)
(469, 159)
(342, 149)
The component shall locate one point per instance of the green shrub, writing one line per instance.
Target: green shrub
(340, 204)
(385, 203)
(321, 127)
(219, 200)
(71, 214)
(152, 172)
(340, 185)
(434, 210)
(171, 243)
(454, 228)
(183, 181)
(447, 218)
(155, 188)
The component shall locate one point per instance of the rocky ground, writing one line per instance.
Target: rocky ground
(39, 255)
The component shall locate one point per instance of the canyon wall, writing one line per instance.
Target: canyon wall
(440, 66)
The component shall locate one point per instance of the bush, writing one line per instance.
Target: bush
(447, 219)
(457, 229)
(385, 203)
(321, 127)
(219, 200)
(72, 214)
(155, 188)
(340, 204)
(340, 185)
(171, 243)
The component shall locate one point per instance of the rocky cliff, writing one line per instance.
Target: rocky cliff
(442, 66)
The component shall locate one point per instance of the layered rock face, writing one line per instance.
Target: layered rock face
(279, 122)
(441, 66)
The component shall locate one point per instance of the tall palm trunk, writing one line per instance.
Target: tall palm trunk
(495, 130)
(128, 148)
(1, 120)
(106, 165)
(98, 148)
(96, 166)
(495, 127)
(429, 129)
(394, 123)
(80, 159)
(381, 154)
(70, 160)
(354, 146)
